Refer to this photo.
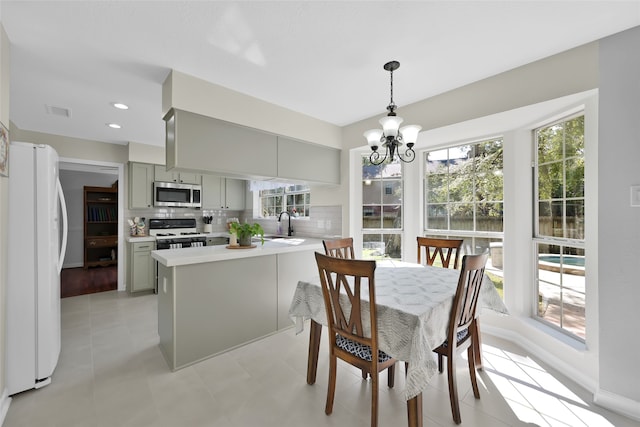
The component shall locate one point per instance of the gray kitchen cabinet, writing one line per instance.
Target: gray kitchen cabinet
(223, 193)
(162, 174)
(202, 143)
(141, 176)
(141, 274)
(292, 267)
(300, 160)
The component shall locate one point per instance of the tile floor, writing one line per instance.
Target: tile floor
(111, 373)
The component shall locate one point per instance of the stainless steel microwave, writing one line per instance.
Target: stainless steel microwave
(172, 194)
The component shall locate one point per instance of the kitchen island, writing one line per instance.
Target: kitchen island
(213, 299)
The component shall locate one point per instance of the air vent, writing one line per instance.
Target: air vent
(58, 111)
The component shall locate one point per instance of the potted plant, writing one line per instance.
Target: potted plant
(246, 231)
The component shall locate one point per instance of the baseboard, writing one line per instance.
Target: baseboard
(616, 403)
(5, 401)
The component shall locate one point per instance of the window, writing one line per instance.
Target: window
(559, 226)
(381, 210)
(464, 199)
(292, 198)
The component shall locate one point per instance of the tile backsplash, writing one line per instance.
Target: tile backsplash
(324, 221)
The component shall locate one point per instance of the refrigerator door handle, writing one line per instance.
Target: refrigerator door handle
(65, 225)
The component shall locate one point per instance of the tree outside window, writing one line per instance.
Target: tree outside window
(464, 199)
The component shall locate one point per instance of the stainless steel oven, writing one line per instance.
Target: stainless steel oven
(175, 233)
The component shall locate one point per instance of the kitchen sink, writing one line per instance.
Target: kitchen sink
(273, 237)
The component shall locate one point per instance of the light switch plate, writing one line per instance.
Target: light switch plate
(635, 195)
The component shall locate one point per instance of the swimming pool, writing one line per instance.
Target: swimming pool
(573, 260)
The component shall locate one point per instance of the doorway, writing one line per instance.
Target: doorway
(75, 174)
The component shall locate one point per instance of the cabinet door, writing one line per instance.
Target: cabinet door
(308, 162)
(141, 176)
(211, 192)
(234, 194)
(161, 173)
(142, 271)
(189, 178)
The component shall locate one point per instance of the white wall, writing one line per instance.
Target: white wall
(4, 214)
(619, 224)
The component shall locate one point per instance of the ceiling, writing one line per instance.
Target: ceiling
(320, 58)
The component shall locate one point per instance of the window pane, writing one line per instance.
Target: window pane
(437, 188)
(550, 177)
(437, 161)
(392, 217)
(461, 216)
(550, 143)
(371, 191)
(489, 217)
(392, 192)
(489, 186)
(382, 246)
(574, 137)
(575, 219)
(461, 188)
(371, 217)
(561, 287)
(575, 177)
(437, 217)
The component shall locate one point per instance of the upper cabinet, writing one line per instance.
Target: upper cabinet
(223, 193)
(299, 160)
(203, 143)
(162, 174)
(141, 177)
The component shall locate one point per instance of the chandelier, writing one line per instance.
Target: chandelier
(392, 136)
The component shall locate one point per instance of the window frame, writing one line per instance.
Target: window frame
(562, 242)
(381, 230)
(284, 193)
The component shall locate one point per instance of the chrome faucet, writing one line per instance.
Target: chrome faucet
(289, 229)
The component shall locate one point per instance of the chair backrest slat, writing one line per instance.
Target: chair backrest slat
(441, 250)
(342, 281)
(467, 294)
(339, 248)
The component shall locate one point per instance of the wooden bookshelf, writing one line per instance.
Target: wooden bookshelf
(100, 226)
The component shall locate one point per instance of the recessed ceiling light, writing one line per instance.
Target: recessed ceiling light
(120, 105)
(114, 125)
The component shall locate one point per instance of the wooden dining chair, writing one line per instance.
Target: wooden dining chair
(339, 248)
(439, 251)
(342, 281)
(462, 333)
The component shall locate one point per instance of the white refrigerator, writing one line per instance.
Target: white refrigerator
(36, 247)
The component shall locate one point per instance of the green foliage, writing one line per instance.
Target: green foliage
(470, 178)
(247, 230)
(561, 159)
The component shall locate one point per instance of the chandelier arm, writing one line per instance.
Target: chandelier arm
(375, 156)
(409, 155)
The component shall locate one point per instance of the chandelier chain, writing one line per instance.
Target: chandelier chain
(391, 106)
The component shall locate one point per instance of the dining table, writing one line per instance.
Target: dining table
(413, 303)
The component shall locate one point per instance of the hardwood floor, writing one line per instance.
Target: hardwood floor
(78, 281)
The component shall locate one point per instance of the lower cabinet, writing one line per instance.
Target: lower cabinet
(209, 308)
(141, 273)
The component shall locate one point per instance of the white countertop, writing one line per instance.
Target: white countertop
(186, 256)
